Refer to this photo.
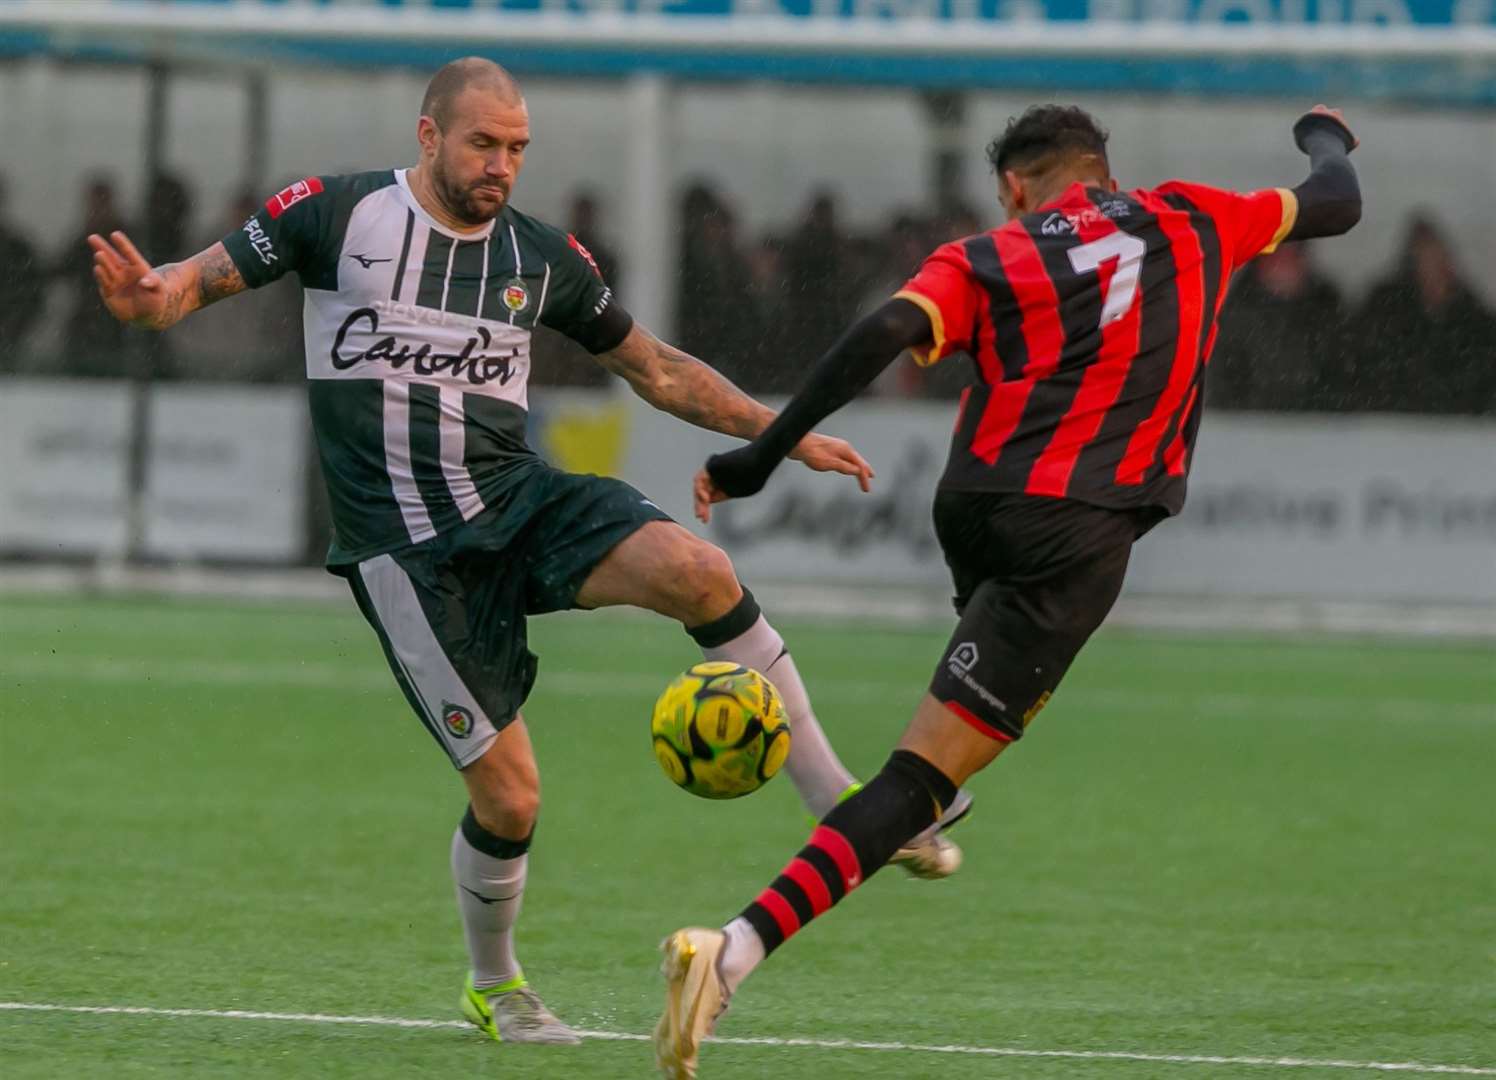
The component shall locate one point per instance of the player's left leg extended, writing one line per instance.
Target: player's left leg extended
(1010, 650)
(663, 567)
(702, 967)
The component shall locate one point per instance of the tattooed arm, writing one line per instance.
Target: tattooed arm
(161, 297)
(678, 383)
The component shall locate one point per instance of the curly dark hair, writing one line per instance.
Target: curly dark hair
(1044, 135)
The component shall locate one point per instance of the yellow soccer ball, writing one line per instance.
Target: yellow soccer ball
(719, 730)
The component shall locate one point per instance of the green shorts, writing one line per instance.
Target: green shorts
(450, 612)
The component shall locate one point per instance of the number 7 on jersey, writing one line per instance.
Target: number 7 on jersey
(1128, 250)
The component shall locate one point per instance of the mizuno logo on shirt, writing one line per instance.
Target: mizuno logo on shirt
(366, 262)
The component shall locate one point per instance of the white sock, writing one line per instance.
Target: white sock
(817, 773)
(489, 891)
(742, 953)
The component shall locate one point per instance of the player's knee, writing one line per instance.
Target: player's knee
(509, 810)
(707, 582)
(522, 811)
(511, 815)
(498, 841)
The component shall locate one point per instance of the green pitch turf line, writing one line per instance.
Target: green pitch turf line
(317, 675)
(819, 1044)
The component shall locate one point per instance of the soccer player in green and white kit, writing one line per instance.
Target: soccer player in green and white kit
(423, 286)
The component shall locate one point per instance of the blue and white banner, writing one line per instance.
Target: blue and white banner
(1205, 12)
(1421, 51)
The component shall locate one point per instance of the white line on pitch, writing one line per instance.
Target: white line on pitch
(820, 1044)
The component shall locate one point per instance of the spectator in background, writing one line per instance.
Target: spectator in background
(583, 224)
(94, 342)
(1282, 337)
(23, 286)
(716, 316)
(819, 297)
(167, 234)
(257, 338)
(1426, 343)
(958, 221)
(168, 219)
(767, 296)
(556, 360)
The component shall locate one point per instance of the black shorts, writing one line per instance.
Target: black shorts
(1034, 578)
(451, 611)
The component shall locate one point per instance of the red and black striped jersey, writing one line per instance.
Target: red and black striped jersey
(1091, 322)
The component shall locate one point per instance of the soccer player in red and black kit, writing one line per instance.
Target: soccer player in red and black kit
(1090, 316)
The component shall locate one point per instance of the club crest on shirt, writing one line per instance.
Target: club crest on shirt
(458, 720)
(515, 296)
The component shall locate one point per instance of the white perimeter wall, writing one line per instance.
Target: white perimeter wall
(1327, 508)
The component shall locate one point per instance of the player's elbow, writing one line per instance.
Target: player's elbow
(1329, 201)
(1327, 214)
(1342, 216)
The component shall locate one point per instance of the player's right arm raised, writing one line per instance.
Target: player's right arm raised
(158, 297)
(1329, 200)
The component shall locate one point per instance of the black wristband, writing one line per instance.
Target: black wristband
(1310, 123)
(742, 472)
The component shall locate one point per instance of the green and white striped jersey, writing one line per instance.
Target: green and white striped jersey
(418, 347)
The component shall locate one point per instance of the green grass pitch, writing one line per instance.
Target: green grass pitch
(1208, 846)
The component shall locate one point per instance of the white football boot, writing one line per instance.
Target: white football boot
(932, 854)
(695, 997)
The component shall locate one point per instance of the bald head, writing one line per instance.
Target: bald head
(468, 73)
(473, 131)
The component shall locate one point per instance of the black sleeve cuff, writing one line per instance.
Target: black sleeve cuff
(605, 332)
(252, 266)
(1311, 123)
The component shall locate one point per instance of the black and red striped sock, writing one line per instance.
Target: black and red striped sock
(851, 844)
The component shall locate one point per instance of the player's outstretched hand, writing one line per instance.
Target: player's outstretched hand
(704, 494)
(825, 454)
(130, 289)
(733, 475)
(1318, 117)
(744, 471)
